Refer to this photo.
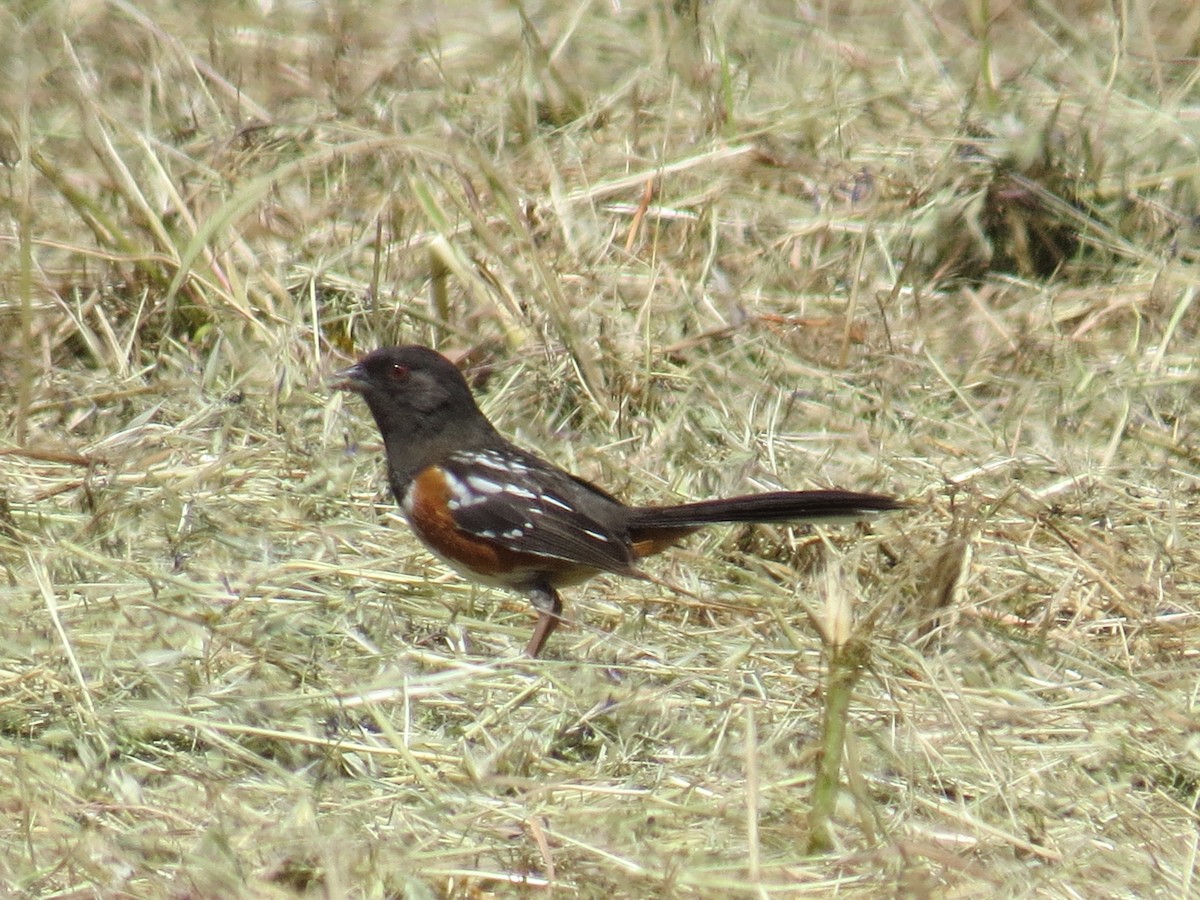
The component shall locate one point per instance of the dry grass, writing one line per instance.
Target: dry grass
(946, 250)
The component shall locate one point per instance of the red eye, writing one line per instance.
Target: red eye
(398, 372)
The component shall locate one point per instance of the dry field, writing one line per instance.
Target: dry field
(947, 250)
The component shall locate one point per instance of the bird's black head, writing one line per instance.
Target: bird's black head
(413, 377)
(420, 401)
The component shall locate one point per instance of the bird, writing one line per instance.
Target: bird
(502, 516)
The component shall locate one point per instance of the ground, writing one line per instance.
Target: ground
(942, 250)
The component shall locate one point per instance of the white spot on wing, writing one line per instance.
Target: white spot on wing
(490, 459)
(484, 485)
(461, 494)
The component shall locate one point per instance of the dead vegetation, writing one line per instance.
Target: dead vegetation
(944, 250)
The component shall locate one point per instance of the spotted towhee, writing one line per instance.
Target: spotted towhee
(505, 517)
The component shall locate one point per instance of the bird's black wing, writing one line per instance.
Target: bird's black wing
(527, 506)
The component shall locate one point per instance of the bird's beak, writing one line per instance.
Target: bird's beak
(352, 378)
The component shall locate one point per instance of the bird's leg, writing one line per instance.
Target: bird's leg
(549, 606)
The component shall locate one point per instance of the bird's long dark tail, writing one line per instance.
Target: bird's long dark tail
(779, 506)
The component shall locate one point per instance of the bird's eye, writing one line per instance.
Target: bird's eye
(398, 372)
